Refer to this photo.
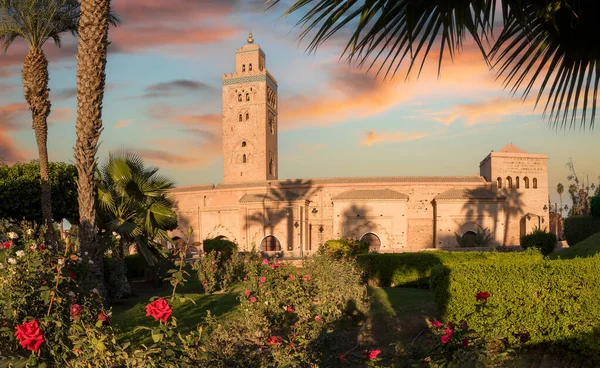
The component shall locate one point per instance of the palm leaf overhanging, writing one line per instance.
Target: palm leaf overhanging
(133, 201)
(545, 45)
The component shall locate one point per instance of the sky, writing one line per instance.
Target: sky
(163, 101)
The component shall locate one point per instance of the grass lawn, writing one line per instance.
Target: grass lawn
(585, 248)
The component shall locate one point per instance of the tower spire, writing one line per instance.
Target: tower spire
(250, 39)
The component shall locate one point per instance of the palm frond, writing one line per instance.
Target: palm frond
(388, 32)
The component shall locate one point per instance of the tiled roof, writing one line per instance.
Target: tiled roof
(193, 188)
(510, 148)
(386, 194)
(269, 197)
(358, 180)
(469, 194)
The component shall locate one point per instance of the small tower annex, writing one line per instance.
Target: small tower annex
(249, 118)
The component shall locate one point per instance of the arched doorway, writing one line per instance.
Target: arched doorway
(270, 244)
(468, 239)
(373, 240)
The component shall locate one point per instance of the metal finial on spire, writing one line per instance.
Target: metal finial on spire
(250, 39)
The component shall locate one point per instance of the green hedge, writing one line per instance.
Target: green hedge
(220, 244)
(340, 248)
(579, 228)
(595, 206)
(414, 269)
(137, 267)
(542, 240)
(550, 302)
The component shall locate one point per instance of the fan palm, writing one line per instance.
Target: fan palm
(549, 45)
(133, 201)
(37, 21)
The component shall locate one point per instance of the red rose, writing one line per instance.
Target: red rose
(72, 275)
(265, 261)
(272, 266)
(7, 244)
(373, 354)
(159, 309)
(253, 299)
(42, 247)
(247, 293)
(273, 340)
(343, 358)
(289, 309)
(436, 324)
(29, 335)
(104, 318)
(306, 277)
(263, 279)
(465, 342)
(318, 318)
(482, 296)
(445, 339)
(75, 311)
(291, 278)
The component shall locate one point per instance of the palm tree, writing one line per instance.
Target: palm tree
(37, 21)
(548, 41)
(92, 44)
(560, 189)
(133, 201)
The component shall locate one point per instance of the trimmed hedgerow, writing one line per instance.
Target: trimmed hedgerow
(414, 269)
(220, 244)
(542, 240)
(580, 228)
(343, 248)
(595, 206)
(552, 302)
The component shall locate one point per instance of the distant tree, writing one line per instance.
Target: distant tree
(133, 201)
(579, 193)
(560, 189)
(37, 21)
(20, 192)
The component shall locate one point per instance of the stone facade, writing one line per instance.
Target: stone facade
(399, 213)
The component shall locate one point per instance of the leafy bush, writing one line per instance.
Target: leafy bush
(136, 265)
(578, 228)
(215, 271)
(220, 244)
(483, 238)
(595, 206)
(414, 269)
(115, 276)
(542, 240)
(344, 248)
(549, 302)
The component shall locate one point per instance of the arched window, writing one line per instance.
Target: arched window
(499, 180)
(534, 183)
(249, 67)
(243, 67)
(270, 244)
(508, 182)
(240, 97)
(468, 239)
(240, 117)
(373, 241)
(244, 159)
(247, 97)
(517, 184)
(247, 116)
(526, 182)
(271, 166)
(244, 144)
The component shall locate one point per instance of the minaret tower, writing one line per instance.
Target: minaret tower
(249, 118)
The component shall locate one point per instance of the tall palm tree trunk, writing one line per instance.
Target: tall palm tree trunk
(35, 84)
(91, 65)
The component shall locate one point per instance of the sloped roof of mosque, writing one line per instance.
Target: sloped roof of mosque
(358, 180)
(270, 197)
(510, 148)
(370, 194)
(469, 194)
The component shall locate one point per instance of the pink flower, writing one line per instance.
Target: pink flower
(263, 279)
(318, 318)
(247, 293)
(272, 266)
(75, 311)
(289, 309)
(445, 339)
(265, 261)
(465, 342)
(253, 299)
(306, 277)
(260, 285)
(245, 278)
(273, 340)
(373, 354)
(277, 265)
(343, 358)
(6, 244)
(436, 324)
(292, 278)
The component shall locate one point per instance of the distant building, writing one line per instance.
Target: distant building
(394, 214)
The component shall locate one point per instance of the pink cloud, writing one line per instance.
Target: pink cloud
(492, 110)
(9, 116)
(123, 123)
(372, 137)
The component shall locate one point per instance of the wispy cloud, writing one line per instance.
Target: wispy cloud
(9, 115)
(123, 123)
(175, 88)
(489, 111)
(373, 137)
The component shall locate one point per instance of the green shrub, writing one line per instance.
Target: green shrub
(483, 238)
(136, 265)
(414, 269)
(595, 206)
(551, 302)
(220, 244)
(579, 228)
(340, 248)
(542, 240)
